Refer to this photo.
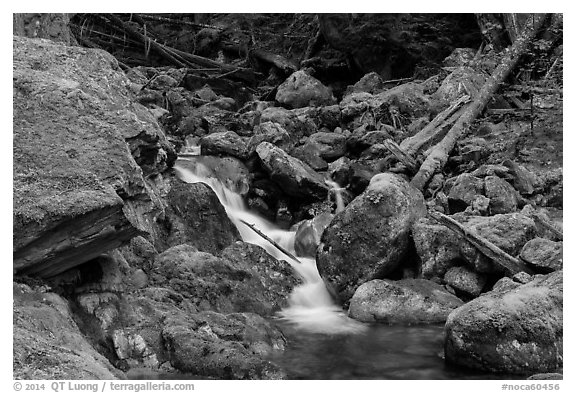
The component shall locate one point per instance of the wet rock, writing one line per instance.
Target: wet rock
(543, 255)
(465, 280)
(195, 216)
(79, 160)
(503, 197)
(229, 171)
(371, 236)
(248, 282)
(340, 171)
(292, 175)
(464, 189)
(224, 143)
(487, 334)
(48, 343)
(276, 276)
(309, 233)
(409, 301)
(223, 346)
(301, 89)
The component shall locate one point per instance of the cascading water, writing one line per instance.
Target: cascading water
(311, 308)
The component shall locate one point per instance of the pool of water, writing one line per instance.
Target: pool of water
(379, 352)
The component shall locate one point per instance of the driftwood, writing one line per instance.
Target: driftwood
(409, 162)
(278, 246)
(507, 262)
(431, 131)
(439, 154)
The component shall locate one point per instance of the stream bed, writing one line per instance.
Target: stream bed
(379, 352)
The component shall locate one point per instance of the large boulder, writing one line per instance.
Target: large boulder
(245, 279)
(516, 331)
(48, 343)
(295, 178)
(301, 89)
(195, 216)
(223, 346)
(542, 255)
(371, 236)
(439, 249)
(409, 301)
(81, 148)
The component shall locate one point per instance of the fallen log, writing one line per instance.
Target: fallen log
(439, 154)
(507, 262)
(431, 131)
(409, 162)
(278, 246)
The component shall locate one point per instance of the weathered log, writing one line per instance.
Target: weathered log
(278, 246)
(507, 262)
(439, 154)
(409, 162)
(431, 131)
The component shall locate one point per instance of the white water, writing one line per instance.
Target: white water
(338, 194)
(311, 308)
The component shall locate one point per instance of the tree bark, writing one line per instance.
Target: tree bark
(439, 154)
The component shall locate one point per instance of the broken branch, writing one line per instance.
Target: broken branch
(278, 246)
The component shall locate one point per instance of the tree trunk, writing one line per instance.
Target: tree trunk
(439, 154)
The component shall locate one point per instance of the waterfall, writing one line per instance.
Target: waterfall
(337, 194)
(311, 308)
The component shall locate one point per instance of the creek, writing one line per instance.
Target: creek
(323, 342)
